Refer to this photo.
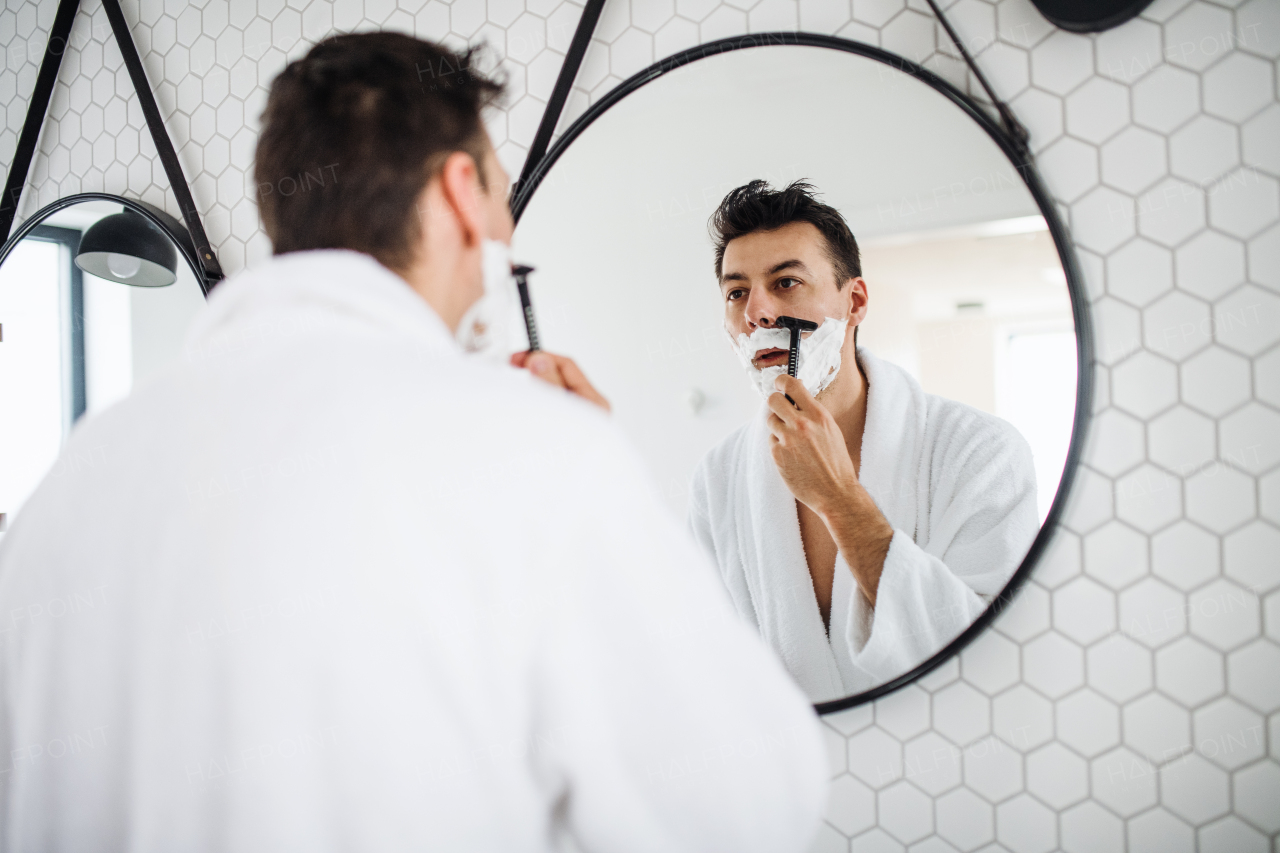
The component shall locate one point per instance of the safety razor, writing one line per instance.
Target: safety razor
(521, 274)
(796, 325)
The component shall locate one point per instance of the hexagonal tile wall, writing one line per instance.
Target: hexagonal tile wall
(1129, 696)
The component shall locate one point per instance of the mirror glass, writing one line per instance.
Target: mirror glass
(968, 318)
(72, 343)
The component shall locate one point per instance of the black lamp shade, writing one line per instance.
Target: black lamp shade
(1089, 16)
(128, 248)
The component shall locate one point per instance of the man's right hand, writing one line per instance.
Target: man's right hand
(560, 371)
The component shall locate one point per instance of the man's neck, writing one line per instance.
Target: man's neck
(846, 399)
(436, 281)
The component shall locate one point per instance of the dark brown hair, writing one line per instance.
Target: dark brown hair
(352, 133)
(758, 207)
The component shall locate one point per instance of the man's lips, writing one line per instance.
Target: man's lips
(770, 358)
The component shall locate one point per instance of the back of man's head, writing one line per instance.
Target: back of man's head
(758, 207)
(354, 131)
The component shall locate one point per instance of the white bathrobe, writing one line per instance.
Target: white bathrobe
(956, 484)
(331, 585)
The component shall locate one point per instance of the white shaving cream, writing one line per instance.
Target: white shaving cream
(492, 327)
(819, 356)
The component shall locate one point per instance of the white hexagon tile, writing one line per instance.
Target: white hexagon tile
(1129, 699)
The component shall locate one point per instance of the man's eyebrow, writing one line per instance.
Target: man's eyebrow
(793, 264)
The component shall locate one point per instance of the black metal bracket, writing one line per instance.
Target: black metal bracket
(560, 94)
(210, 271)
(36, 110)
(164, 146)
(1016, 129)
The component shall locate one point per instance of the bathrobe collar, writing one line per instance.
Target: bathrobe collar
(893, 438)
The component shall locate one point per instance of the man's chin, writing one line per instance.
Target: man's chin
(763, 379)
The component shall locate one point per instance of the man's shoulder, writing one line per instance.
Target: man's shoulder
(714, 471)
(962, 432)
(490, 416)
(519, 398)
(733, 444)
(952, 430)
(554, 432)
(957, 417)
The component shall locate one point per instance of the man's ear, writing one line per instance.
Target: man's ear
(460, 187)
(856, 291)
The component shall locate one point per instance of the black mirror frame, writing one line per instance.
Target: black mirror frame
(172, 228)
(1019, 154)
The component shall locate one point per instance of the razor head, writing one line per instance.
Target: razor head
(520, 270)
(795, 324)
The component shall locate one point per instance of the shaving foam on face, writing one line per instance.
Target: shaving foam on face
(492, 326)
(819, 355)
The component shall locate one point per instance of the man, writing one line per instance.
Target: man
(859, 524)
(336, 585)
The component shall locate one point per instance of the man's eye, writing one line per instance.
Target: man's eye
(788, 282)
(733, 294)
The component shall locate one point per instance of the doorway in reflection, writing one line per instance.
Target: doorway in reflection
(980, 314)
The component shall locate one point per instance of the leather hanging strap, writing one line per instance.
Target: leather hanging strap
(164, 147)
(36, 110)
(560, 94)
(1016, 130)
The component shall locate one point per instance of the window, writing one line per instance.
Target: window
(1036, 392)
(42, 388)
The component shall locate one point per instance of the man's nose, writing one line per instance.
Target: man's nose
(760, 310)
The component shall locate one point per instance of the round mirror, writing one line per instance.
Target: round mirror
(74, 336)
(968, 355)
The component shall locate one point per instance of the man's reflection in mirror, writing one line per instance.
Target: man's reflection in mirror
(861, 524)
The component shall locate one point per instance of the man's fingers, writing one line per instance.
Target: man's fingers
(781, 407)
(794, 388)
(543, 366)
(563, 372)
(576, 381)
(777, 427)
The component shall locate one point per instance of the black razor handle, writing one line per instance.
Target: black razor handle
(793, 355)
(796, 325)
(521, 274)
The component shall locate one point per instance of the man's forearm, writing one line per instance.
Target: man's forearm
(862, 534)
